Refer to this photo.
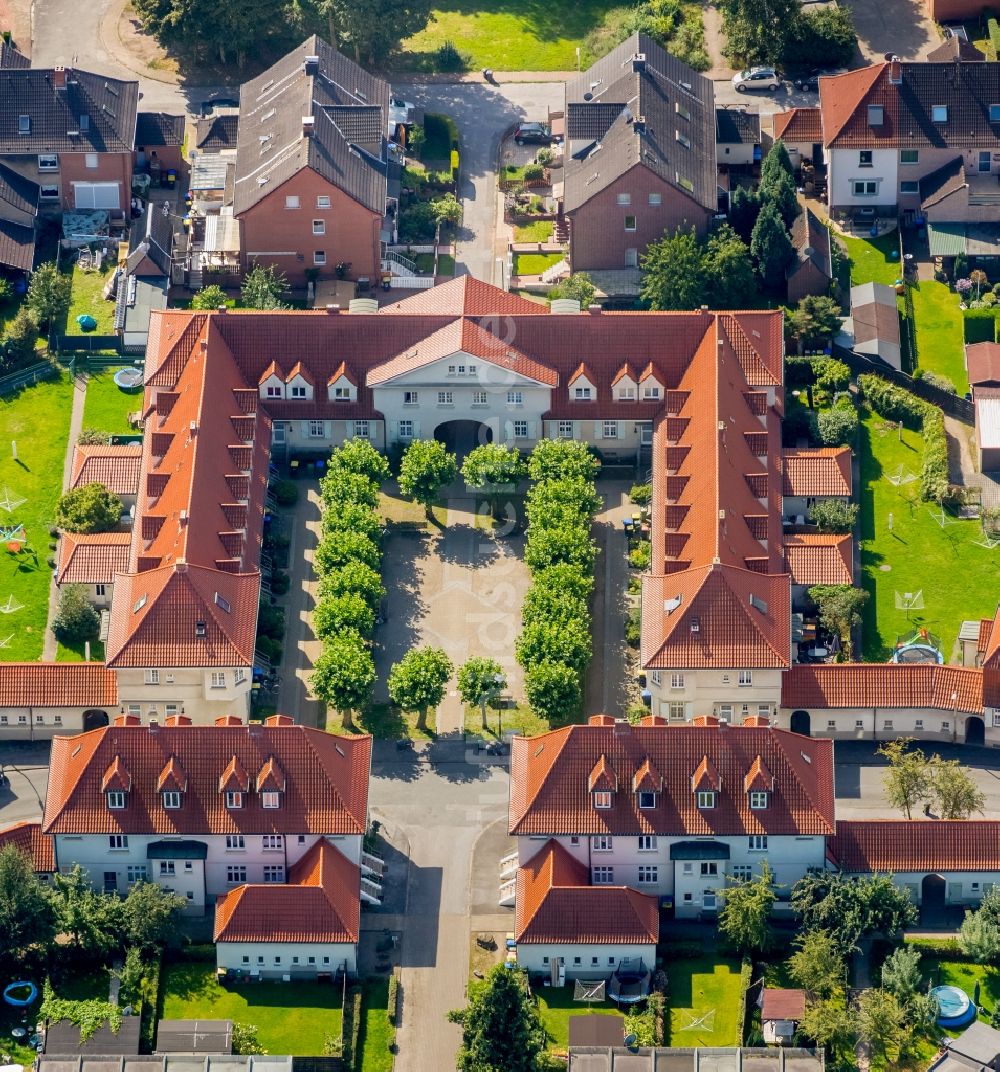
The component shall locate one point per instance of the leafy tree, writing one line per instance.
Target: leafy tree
(357, 455)
(553, 691)
(90, 508)
(418, 681)
(548, 603)
(347, 612)
(849, 910)
(779, 190)
(745, 916)
(817, 964)
(833, 515)
(227, 29)
(479, 680)
(570, 580)
(353, 577)
(729, 277)
(27, 918)
(831, 375)
(909, 780)
(351, 517)
(427, 467)
(211, 297)
(822, 37)
(149, 915)
(447, 209)
(48, 296)
(19, 341)
(770, 247)
(343, 675)
(881, 1024)
(829, 1023)
(341, 486)
(840, 608)
(837, 426)
(979, 935)
(956, 795)
(570, 544)
(339, 549)
(494, 468)
(815, 319)
(776, 162)
(75, 620)
(554, 642)
(674, 272)
(246, 1038)
(755, 30)
(744, 206)
(501, 1031)
(901, 973)
(371, 30)
(263, 287)
(91, 920)
(578, 287)
(562, 500)
(555, 458)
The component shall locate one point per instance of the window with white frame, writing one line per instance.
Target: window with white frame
(676, 711)
(945, 726)
(236, 874)
(763, 710)
(648, 874)
(630, 223)
(887, 724)
(624, 199)
(515, 398)
(274, 873)
(650, 392)
(167, 868)
(520, 429)
(626, 392)
(234, 799)
(116, 799)
(406, 429)
(317, 429)
(273, 390)
(362, 429)
(239, 676)
(319, 256)
(152, 677)
(272, 842)
(291, 201)
(270, 800)
(610, 430)
(709, 870)
(564, 430)
(656, 199)
(705, 798)
(757, 843)
(655, 676)
(647, 843)
(604, 876)
(582, 394)
(647, 799)
(48, 161)
(171, 799)
(864, 189)
(742, 872)
(48, 192)
(446, 398)
(322, 200)
(601, 843)
(319, 227)
(218, 679)
(135, 873)
(758, 800)
(298, 391)
(90, 160)
(117, 842)
(677, 681)
(602, 799)
(100, 590)
(745, 678)
(235, 842)
(342, 394)
(479, 398)
(411, 398)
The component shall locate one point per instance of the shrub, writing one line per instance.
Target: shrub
(993, 29)
(285, 492)
(633, 628)
(641, 555)
(19, 342)
(833, 515)
(49, 294)
(942, 383)
(211, 297)
(831, 375)
(838, 426)
(91, 436)
(531, 172)
(641, 494)
(91, 508)
(75, 620)
(280, 582)
(448, 58)
(6, 290)
(544, 156)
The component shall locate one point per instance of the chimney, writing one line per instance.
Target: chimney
(153, 725)
(895, 71)
(639, 124)
(594, 310)
(639, 62)
(311, 65)
(308, 126)
(180, 566)
(59, 78)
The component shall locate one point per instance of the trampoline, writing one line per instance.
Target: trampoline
(20, 994)
(128, 379)
(955, 1008)
(917, 653)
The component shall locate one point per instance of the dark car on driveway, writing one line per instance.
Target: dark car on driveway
(808, 78)
(532, 132)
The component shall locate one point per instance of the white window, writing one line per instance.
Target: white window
(601, 843)
(411, 398)
(656, 199)
(602, 800)
(473, 369)
(676, 711)
(171, 799)
(152, 677)
(90, 160)
(319, 256)
(647, 800)
(40, 720)
(298, 391)
(626, 393)
(648, 875)
(745, 678)
(235, 842)
(270, 800)
(136, 873)
(48, 192)
(677, 681)
(705, 798)
(118, 841)
(624, 199)
(655, 676)
(406, 429)
(291, 201)
(239, 676)
(188, 866)
(581, 394)
(273, 390)
(272, 842)
(757, 843)
(763, 710)
(342, 394)
(234, 799)
(564, 430)
(647, 843)
(134, 709)
(57, 719)
(650, 392)
(859, 724)
(479, 398)
(167, 867)
(322, 201)
(709, 870)
(688, 869)
(610, 429)
(362, 429)
(911, 187)
(236, 875)
(887, 724)
(520, 429)
(446, 398)
(317, 429)
(831, 724)
(274, 873)
(515, 398)
(864, 189)
(945, 725)
(48, 161)
(604, 876)
(758, 800)
(100, 589)
(742, 872)
(451, 370)
(319, 227)
(116, 800)
(218, 679)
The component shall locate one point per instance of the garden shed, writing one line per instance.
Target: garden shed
(873, 326)
(63, 1037)
(194, 1036)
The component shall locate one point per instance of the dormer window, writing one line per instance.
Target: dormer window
(199, 629)
(581, 394)
(602, 799)
(705, 798)
(273, 391)
(758, 801)
(234, 800)
(171, 799)
(647, 800)
(270, 800)
(116, 800)
(650, 392)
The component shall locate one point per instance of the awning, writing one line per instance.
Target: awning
(699, 850)
(176, 850)
(946, 239)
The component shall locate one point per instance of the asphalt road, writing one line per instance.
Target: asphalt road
(27, 768)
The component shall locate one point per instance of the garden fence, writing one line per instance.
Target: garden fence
(84, 343)
(26, 376)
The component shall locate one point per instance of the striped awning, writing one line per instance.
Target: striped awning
(946, 239)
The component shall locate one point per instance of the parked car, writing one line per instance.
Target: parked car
(808, 79)
(533, 132)
(754, 79)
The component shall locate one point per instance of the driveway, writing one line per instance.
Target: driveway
(899, 26)
(27, 767)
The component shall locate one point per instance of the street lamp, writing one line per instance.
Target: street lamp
(498, 683)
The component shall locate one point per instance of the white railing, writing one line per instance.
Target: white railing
(556, 271)
(391, 256)
(371, 891)
(413, 282)
(372, 864)
(508, 891)
(510, 858)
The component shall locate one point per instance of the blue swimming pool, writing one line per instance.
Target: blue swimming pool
(955, 1008)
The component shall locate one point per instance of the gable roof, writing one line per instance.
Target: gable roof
(464, 295)
(922, 845)
(17, 245)
(91, 114)
(819, 557)
(29, 839)
(158, 128)
(816, 471)
(982, 359)
(347, 146)
(811, 242)
(782, 1004)
(945, 182)
(799, 126)
(320, 903)
(736, 126)
(215, 133)
(549, 781)
(556, 903)
(326, 790)
(57, 685)
(874, 313)
(907, 94)
(11, 58)
(954, 48)
(116, 466)
(92, 558)
(18, 194)
(152, 245)
(637, 115)
(885, 685)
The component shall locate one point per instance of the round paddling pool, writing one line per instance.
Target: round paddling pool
(955, 1009)
(20, 994)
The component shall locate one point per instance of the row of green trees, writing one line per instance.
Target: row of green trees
(914, 779)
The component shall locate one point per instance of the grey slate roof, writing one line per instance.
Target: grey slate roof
(736, 126)
(674, 103)
(350, 111)
(11, 58)
(214, 133)
(152, 240)
(158, 128)
(102, 112)
(956, 48)
(947, 180)
(811, 242)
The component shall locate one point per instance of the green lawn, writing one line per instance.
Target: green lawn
(106, 407)
(921, 555)
(425, 263)
(373, 1038)
(88, 298)
(37, 419)
(556, 1006)
(292, 1018)
(704, 1002)
(512, 35)
(939, 332)
(520, 718)
(536, 231)
(534, 263)
(871, 259)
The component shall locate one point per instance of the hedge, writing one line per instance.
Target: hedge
(392, 1010)
(981, 325)
(150, 996)
(894, 403)
(746, 977)
(352, 1026)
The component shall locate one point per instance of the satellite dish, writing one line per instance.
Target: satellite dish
(588, 96)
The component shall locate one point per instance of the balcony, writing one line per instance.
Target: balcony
(508, 890)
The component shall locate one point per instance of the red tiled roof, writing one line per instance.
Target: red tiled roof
(92, 558)
(798, 126)
(783, 1004)
(57, 685)
(326, 790)
(819, 558)
(817, 472)
(549, 773)
(856, 685)
(29, 839)
(114, 466)
(464, 296)
(840, 97)
(922, 845)
(320, 903)
(983, 362)
(989, 642)
(556, 903)
(758, 778)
